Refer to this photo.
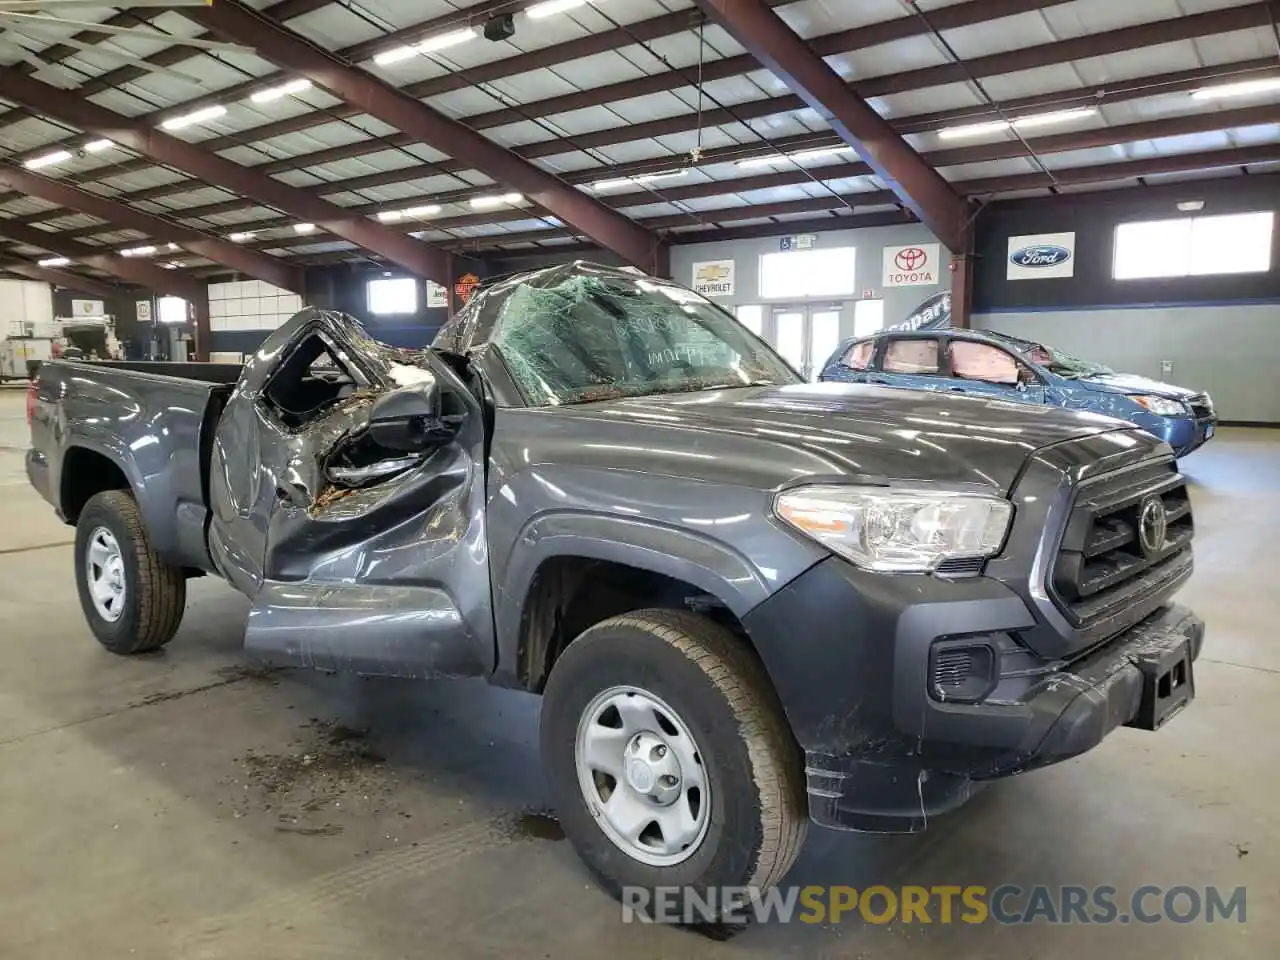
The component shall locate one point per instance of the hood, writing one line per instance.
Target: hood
(766, 436)
(1132, 383)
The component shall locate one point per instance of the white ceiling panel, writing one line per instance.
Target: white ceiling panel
(1095, 16)
(335, 27)
(1165, 57)
(989, 168)
(1238, 45)
(467, 102)
(811, 18)
(26, 205)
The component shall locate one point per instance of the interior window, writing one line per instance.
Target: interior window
(308, 383)
(981, 361)
(918, 355)
(859, 355)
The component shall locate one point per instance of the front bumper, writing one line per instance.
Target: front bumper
(1184, 434)
(883, 751)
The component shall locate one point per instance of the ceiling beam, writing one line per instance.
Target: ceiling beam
(982, 187)
(279, 45)
(171, 282)
(954, 16)
(418, 258)
(1189, 124)
(61, 278)
(161, 59)
(919, 186)
(245, 260)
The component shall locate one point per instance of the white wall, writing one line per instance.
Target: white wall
(1232, 351)
(868, 270)
(250, 305)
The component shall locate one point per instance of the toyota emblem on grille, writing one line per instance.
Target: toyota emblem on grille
(1153, 525)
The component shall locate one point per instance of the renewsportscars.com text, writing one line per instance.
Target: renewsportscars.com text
(941, 904)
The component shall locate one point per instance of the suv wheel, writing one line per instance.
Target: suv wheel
(132, 599)
(669, 758)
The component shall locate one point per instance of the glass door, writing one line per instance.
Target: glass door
(805, 336)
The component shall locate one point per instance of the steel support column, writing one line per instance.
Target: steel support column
(919, 186)
(279, 45)
(258, 265)
(418, 258)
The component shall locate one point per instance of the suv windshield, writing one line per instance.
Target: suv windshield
(599, 337)
(1054, 360)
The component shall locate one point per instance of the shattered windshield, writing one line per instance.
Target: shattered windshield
(599, 337)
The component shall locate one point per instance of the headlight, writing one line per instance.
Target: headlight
(1160, 406)
(899, 530)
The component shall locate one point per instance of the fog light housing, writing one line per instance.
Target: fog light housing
(962, 671)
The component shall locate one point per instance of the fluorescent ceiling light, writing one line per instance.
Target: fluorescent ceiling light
(97, 146)
(284, 90)
(799, 156)
(242, 236)
(138, 252)
(1244, 88)
(48, 159)
(1055, 117)
(194, 117)
(1190, 206)
(394, 55)
(429, 210)
(602, 185)
(390, 216)
(174, 246)
(53, 262)
(551, 7)
(304, 228)
(1029, 122)
(443, 40)
(174, 265)
(430, 45)
(489, 202)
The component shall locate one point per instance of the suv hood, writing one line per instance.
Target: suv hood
(1132, 383)
(766, 436)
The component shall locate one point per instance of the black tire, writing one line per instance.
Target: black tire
(758, 814)
(155, 593)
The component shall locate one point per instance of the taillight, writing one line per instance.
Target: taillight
(32, 389)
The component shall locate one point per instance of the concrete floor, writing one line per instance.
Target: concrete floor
(184, 805)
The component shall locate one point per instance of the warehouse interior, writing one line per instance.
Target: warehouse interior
(178, 180)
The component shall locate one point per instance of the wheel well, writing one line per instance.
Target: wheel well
(568, 595)
(84, 474)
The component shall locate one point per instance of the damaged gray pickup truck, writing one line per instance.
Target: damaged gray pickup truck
(747, 601)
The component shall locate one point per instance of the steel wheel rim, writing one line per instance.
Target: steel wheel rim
(105, 574)
(642, 776)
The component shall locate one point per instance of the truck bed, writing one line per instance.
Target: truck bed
(154, 423)
(225, 373)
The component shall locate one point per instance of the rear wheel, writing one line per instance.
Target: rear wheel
(132, 599)
(669, 759)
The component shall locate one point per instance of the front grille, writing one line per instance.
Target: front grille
(1201, 407)
(1103, 564)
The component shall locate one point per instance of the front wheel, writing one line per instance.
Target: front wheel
(132, 599)
(670, 761)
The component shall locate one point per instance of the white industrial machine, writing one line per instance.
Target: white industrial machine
(27, 329)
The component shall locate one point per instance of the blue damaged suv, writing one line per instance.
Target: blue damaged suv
(988, 364)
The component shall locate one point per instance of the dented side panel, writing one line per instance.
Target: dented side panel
(388, 576)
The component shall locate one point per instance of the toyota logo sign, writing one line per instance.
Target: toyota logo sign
(910, 258)
(911, 265)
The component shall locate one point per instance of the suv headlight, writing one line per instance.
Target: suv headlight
(1160, 406)
(903, 530)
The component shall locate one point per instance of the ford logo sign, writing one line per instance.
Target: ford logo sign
(1044, 255)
